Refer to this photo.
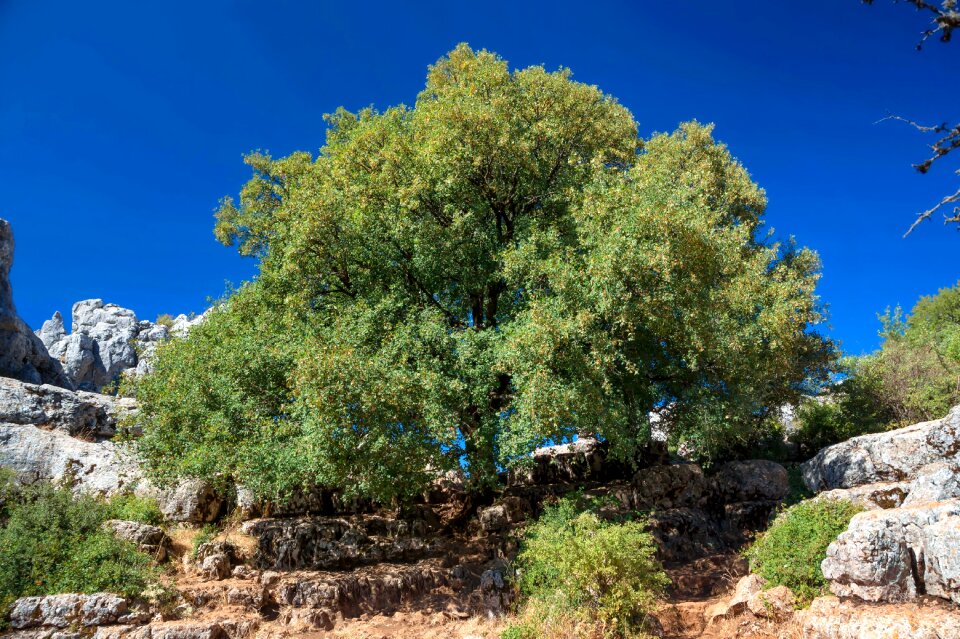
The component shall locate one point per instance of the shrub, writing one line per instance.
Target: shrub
(790, 552)
(53, 542)
(130, 507)
(582, 575)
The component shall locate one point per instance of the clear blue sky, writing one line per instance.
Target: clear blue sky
(123, 123)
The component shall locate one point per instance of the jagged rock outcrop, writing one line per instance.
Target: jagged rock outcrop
(69, 610)
(107, 341)
(881, 556)
(904, 545)
(81, 414)
(22, 354)
(103, 343)
(50, 433)
(896, 455)
(149, 539)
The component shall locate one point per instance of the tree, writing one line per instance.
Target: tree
(946, 18)
(502, 265)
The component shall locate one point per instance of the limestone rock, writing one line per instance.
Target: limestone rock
(215, 559)
(896, 455)
(941, 549)
(752, 480)
(778, 603)
(935, 482)
(884, 494)
(62, 611)
(96, 467)
(747, 588)
(879, 557)
(22, 354)
(89, 415)
(831, 618)
(193, 500)
(670, 486)
(149, 539)
(101, 346)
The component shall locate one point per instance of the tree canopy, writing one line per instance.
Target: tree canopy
(452, 284)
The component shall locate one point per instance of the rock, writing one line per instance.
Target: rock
(778, 603)
(880, 556)
(935, 482)
(215, 559)
(79, 414)
(107, 341)
(95, 467)
(149, 539)
(941, 554)
(335, 543)
(670, 486)
(683, 534)
(193, 501)
(895, 455)
(746, 588)
(101, 346)
(62, 611)
(495, 589)
(831, 618)
(753, 480)
(508, 511)
(22, 354)
(885, 494)
(585, 459)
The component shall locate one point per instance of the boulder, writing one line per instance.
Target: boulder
(22, 354)
(215, 560)
(149, 539)
(881, 555)
(80, 414)
(897, 455)
(670, 486)
(941, 553)
(934, 482)
(192, 500)
(831, 618)
(752, 480)
(63, 611)
(884, 494)
(35, 454)
(778, 603)
(746, 589)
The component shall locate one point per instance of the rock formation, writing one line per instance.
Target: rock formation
(905, 545)
(107, 341)
(22, 354)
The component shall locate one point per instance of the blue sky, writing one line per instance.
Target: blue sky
(123, 123)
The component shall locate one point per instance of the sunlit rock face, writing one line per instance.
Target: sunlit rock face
(22, 354)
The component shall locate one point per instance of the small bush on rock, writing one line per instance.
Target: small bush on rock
(583, 576)
(53, 542)
(130, 507)
(790, 552)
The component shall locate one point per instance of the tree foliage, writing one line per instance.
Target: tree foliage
(503, 264)
(913, 377)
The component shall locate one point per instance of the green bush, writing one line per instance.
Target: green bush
(790, 552)
(130, 507)
(52, 542)
(581, 575)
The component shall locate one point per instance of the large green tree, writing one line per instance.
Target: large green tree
(501, 265)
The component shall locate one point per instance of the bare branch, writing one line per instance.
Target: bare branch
(950, 199)
(946, 18)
